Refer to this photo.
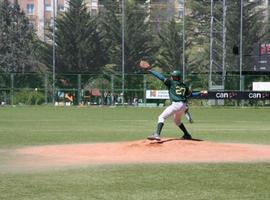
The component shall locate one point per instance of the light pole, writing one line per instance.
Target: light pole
(211, 47)
(241, 48)
(123, 50)
(184, 38)
(224, 32)
(53, 83)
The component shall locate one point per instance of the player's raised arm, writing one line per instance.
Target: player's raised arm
(146, 66)
(157, 75)
(201, 93)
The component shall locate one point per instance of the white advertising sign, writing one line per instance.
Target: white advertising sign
(157, 94)
(261, 86)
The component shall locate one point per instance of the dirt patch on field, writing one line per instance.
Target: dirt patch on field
(143, 151)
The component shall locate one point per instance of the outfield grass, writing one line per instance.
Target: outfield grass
(24, 126)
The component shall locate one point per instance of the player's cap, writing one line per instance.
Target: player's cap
(176, 73)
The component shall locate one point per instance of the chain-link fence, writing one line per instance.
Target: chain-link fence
(92, 89)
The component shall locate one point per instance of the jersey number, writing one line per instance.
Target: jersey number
(180, 90)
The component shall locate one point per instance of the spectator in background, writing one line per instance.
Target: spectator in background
(135, 101)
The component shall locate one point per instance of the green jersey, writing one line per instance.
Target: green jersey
(178, 91)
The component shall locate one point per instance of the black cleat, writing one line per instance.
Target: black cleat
(186, 137)
(154, 136)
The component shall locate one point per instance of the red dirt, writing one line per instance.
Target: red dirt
(143, 151)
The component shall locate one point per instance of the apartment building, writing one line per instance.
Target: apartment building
(40, 12)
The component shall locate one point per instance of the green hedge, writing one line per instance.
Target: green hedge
(29, 97)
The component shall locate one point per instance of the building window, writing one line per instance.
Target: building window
(61, 8)
(94, 4)
(30, 8)
(48, 7)
(181, 14)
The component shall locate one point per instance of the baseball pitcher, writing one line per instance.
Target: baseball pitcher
(178, 93)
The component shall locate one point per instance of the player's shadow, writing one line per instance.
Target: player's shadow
(174, 139)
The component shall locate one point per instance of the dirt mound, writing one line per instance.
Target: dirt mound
(143, 151)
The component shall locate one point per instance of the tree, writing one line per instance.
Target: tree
(138, 36)
(171, 43)
(137, 33)
(198, 36)
(78, 43)
(198, 23)
(16, 39)
(110, 25)
(138, 40)
(253, 32)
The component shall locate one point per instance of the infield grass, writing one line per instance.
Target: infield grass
(25, 126)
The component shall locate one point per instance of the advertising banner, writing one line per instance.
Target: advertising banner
(251, 95)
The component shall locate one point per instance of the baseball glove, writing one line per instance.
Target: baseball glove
(144, 65)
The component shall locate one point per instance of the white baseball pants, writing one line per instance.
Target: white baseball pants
(176, 109)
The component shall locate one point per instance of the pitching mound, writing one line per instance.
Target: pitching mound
(144, 151)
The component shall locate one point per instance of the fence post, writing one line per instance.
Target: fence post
(144, 88)
(79, 89)
(243, 83)
(11, 89)
(112, 89)
(46, 89)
